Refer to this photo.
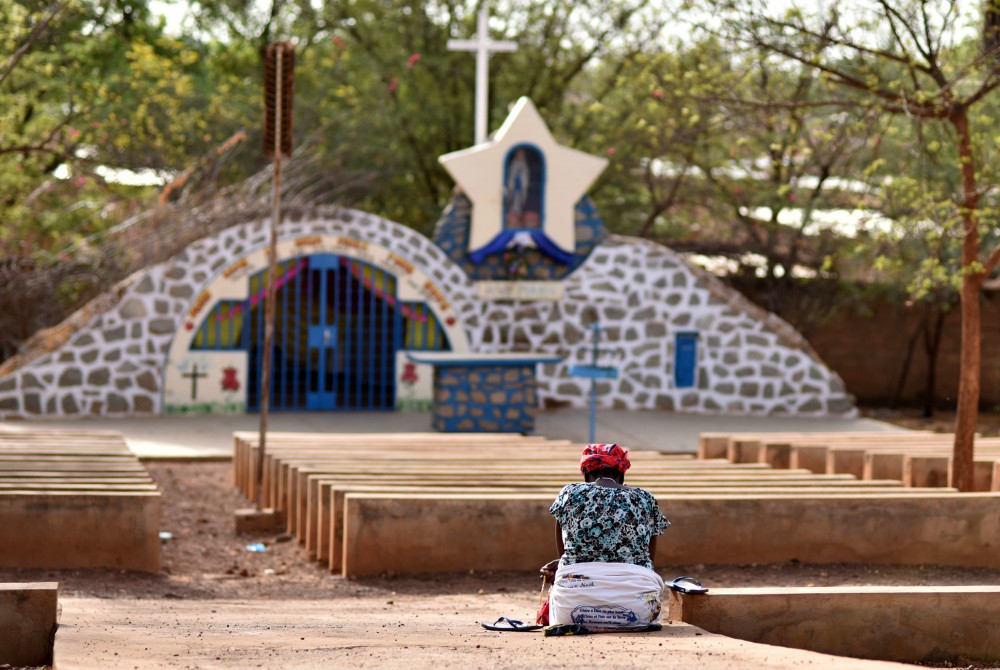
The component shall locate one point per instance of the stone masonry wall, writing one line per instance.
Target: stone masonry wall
(484, 399)
(112, 360)
(641, 293)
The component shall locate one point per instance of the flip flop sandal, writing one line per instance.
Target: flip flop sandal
(505, 625)
(688, 585)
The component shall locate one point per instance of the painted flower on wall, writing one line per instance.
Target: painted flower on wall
(409, 375)
(229, 380)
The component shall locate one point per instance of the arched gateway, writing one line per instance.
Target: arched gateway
(346, 311)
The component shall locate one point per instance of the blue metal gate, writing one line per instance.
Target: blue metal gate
(336, 332)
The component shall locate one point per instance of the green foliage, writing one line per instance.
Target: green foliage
(98, 85)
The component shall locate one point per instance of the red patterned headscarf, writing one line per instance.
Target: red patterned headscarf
(600, 456)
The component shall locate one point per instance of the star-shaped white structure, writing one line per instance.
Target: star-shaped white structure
(479, 172)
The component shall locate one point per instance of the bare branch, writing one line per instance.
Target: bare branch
(893, 15)
(834, 41)
(992, 261)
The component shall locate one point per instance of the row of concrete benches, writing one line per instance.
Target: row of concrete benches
(423, 503)
(916, 458)
(76, 499)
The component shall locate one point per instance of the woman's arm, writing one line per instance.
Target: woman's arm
(652, 549)
(549, 569)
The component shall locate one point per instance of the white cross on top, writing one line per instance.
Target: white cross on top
(482, 45)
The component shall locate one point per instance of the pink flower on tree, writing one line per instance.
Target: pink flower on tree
(393, 85)
(412, 60)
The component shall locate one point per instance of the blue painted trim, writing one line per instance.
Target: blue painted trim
(593, 372)
(458, 362)
(499, 244)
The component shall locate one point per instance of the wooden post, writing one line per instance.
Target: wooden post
(277, 138)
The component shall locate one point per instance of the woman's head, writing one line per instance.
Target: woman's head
(604, 460)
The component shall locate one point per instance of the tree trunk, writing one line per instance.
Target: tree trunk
(932, 345)
(967, 416)
(967, 411)
(904, 372)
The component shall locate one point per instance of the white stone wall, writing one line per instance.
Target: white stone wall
(750, 362)
(642, 294)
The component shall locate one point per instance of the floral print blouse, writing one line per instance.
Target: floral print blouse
(609, 525)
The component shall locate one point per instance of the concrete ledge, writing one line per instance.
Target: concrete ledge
(80, 529)
(434, 533)
(27, 623)
(910, 624)
(76, 499)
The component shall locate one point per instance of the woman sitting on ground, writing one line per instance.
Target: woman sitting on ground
(606, 535)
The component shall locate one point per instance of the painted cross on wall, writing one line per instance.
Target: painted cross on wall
(194, 375)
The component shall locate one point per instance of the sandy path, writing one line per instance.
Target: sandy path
(416, 632)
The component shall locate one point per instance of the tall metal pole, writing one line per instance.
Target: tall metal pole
(272, 268)
(593, 383)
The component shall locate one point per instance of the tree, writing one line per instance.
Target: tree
(87, 87)
(730, 154)
(90, 87)
(907, 58)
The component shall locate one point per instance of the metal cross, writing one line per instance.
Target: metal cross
(482, 45)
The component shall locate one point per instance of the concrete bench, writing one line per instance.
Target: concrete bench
(744, 447)
(80, 529)
(246, 444)
(864, 455)
(324, 535)
(431, 533)
(909, 624)
(279, 468)
(304, 505)
(356, 506)
(300, 497)
(76, 500)
(27, 623)
(245, 474)
(314, 526)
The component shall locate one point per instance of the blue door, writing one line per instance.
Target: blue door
(336, 333)
(323, 351)
(685, 359)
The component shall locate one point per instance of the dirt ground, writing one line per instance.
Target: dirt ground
(203, 559)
